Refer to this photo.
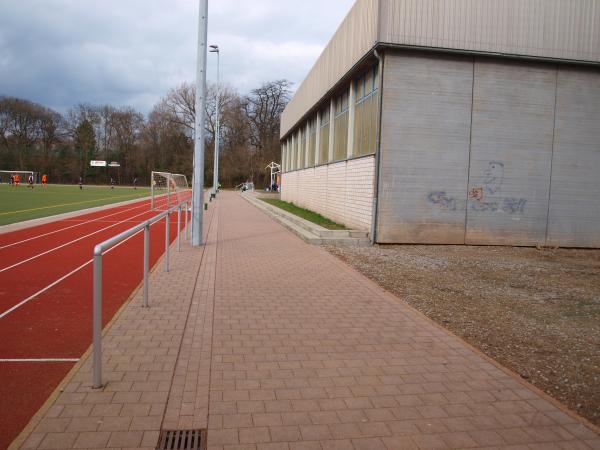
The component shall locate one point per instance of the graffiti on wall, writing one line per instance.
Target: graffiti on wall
(484, 198)
(488, 197)
(442, 200)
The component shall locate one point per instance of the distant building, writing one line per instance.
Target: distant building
(453, 122)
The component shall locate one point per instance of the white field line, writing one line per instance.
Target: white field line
(67, 228)
(42, 360)
(70, 242)
(64, 277)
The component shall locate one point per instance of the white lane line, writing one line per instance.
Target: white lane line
(70, 242)
(69, 227)
(43, 360)
(18, 305)
(41, 291)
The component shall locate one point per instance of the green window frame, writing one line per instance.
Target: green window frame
(324, 136)
(312, 141)
(366, 113)
(340, 130)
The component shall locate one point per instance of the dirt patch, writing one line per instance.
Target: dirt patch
(534, 311)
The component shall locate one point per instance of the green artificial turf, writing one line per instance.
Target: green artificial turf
(22, 203)
(304, 213)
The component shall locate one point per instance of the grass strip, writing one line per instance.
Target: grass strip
(22, 203)
(306, 214)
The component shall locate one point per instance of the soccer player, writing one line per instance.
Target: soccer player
(17, 180)
(80, 183)
(44, 181)
(30, 181)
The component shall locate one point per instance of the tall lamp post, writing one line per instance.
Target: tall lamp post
(215, 49)
(198, 179)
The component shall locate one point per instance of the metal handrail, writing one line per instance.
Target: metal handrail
(109, 243)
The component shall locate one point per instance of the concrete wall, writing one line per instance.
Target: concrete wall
(342, 192)
(426, 120)
(574, 218)
(489, 151)
(511, 152)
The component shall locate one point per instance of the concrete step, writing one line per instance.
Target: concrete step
(314, 228)
(308, 231)
(307, 225)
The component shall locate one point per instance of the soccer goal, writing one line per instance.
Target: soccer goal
(23, 176)
(167, 189)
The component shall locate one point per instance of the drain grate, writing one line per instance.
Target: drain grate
(182, 440)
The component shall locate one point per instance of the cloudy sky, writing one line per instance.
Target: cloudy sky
(131, 52)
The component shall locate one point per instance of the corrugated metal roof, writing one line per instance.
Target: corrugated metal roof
(557, 29)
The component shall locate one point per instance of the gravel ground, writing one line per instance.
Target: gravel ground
(536, 311)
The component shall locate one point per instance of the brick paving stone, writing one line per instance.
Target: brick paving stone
(275, 344)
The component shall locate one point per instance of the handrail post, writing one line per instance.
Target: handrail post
(187, 218)
(168, 193)
(97, 319)
(152, 191)
(190, 219)
(167, 226)
(185, 221)
(179, 228)
(146, 262)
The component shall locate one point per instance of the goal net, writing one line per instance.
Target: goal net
(23, 176)
(168, 189)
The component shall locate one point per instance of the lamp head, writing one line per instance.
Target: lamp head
(214, 48)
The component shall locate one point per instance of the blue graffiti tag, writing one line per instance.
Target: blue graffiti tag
(443, 200)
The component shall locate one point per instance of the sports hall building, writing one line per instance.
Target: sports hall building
(453, 122)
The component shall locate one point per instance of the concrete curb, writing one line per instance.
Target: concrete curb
(308, 231)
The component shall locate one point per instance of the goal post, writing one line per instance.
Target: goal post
(167, 189)
(23, 176)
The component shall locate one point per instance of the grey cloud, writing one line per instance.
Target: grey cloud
(62, 52)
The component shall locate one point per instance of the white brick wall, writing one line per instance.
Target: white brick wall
(341, 191)
(360, 176)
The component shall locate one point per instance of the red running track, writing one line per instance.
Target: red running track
(39, 320)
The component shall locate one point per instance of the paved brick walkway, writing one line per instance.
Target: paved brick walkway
(275, 344)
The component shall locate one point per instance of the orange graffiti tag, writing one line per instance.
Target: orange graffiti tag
(476, 193)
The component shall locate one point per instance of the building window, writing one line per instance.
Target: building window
(294, 160)
(324, 136)
(283, 155)
(365, 113)
(312, 141)
(302, 150)
(340, 131)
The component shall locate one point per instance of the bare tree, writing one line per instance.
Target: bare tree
(263, 108)
(33, 135)
(84, 142)
(21, 125)
(52, 131)
(180, 105)
(127, 125)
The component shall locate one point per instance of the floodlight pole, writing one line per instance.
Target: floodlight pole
(198, 183)
(215, 49)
